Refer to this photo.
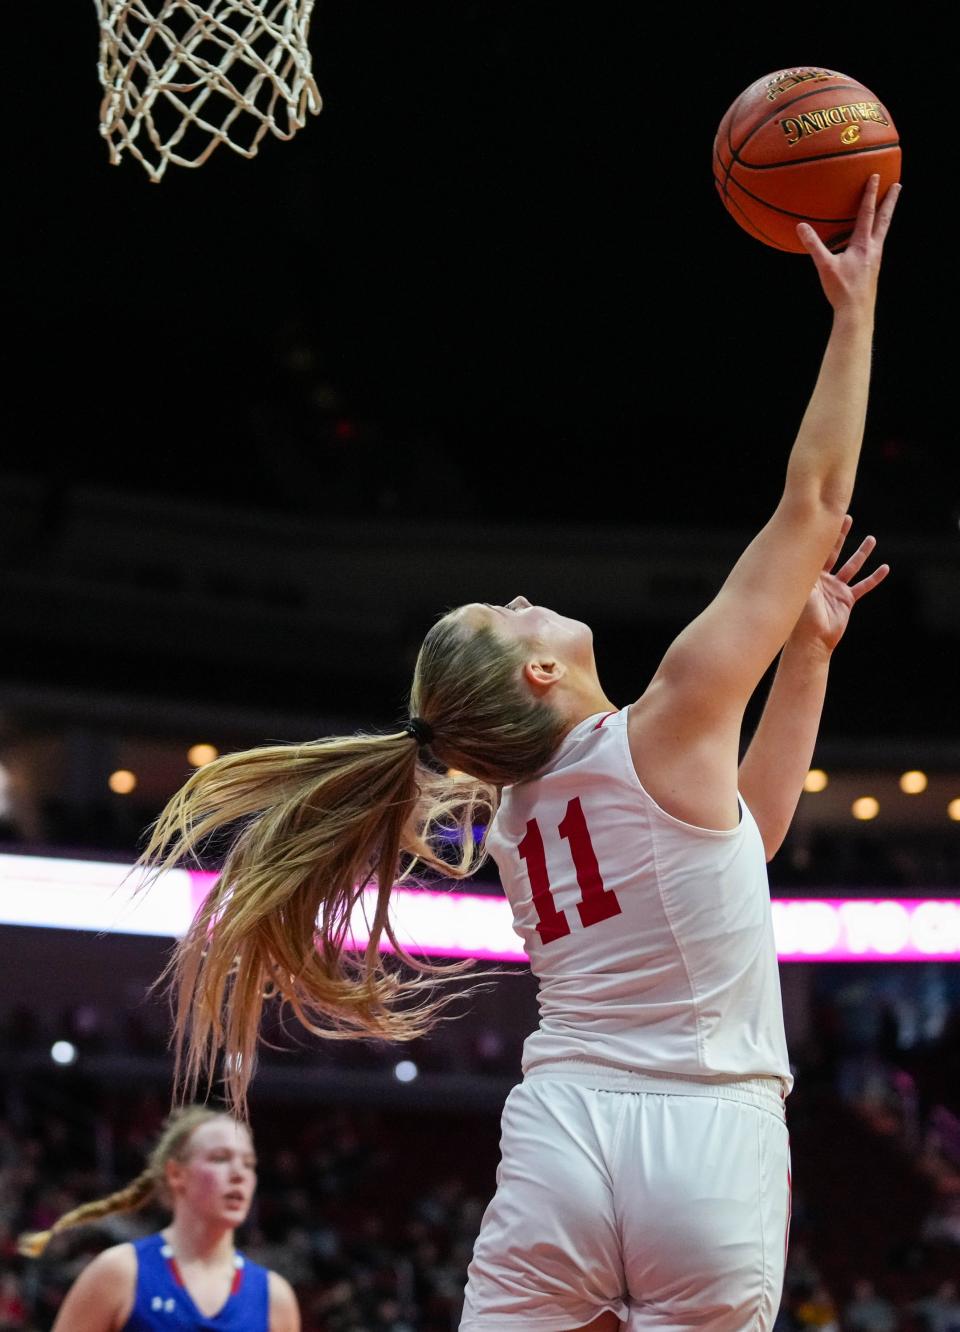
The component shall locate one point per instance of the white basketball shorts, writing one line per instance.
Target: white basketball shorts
(669, 1206)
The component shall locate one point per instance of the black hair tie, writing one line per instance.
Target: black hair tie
(421, 731)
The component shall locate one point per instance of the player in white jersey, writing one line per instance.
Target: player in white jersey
(645, 1157)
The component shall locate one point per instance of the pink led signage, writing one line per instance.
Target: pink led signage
(99, 896)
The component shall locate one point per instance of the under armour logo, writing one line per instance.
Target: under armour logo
(159, 1305)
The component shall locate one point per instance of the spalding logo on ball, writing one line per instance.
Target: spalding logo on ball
(799, 146)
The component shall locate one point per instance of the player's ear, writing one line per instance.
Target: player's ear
(543, 672)
(173, 1174)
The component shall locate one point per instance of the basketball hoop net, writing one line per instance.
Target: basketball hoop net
(182, 76)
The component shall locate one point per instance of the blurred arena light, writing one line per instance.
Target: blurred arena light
(865, 808)
(63, 1053)
(913, 782)
(953, 810)
(100, 896)
(406, 1071)
(122, 782)
(816, 780)
(198, 755)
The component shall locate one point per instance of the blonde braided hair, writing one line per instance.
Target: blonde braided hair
(148, 1185)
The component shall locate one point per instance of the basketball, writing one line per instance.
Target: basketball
(799, 146)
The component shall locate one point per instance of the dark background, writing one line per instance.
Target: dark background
(490, 285)
(482, 328)
(502, 235)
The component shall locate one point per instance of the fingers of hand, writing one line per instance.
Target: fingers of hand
(814, 246)
(858, 559)
(867, 209)
(868, 200)
(885, 212)
(808, 237)
(870, 582)
(838, 544)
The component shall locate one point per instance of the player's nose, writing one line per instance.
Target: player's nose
(518, 603)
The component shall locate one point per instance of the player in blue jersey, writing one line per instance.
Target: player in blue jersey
(189, 1277)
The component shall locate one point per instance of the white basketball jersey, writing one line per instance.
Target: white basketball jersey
(652, 939)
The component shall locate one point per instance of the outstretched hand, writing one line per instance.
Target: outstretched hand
(827, 612)
(850, 278)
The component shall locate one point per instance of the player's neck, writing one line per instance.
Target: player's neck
(195, 1240)
(582, 698)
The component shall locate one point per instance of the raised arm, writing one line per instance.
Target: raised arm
(685, 729)
(774, 767)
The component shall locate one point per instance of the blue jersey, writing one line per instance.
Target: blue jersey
(163, 1303)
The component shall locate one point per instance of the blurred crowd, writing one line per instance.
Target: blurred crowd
(372, 1239)
(370, 1208)
(862, 861)
(371, 1214)
(808, 1304)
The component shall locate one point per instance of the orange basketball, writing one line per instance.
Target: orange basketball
(799, 146)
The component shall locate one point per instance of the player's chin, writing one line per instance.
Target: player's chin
(581, 634)
(574, 628)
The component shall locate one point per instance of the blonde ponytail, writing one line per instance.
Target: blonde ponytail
(134, 1196)
(315, 824)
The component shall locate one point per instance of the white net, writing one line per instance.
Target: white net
(181, 77)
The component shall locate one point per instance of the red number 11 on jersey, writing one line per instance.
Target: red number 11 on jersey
(596, 902)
